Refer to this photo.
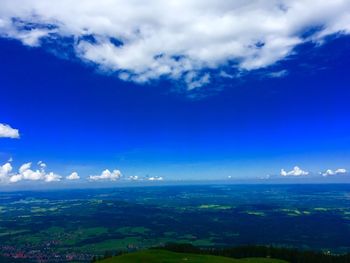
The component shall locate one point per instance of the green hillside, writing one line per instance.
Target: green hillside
(162, 256)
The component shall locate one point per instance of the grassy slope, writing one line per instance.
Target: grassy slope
(162, 256)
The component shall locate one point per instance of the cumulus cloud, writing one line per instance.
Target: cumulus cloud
(52, 177)
(106, 175)
(6, 131)
(295, 172)
(5, 171)
(73, 176)
(141, 41)
(26, 173)
(330, 172)
(15, 178)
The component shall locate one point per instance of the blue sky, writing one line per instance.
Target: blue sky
(231, 119)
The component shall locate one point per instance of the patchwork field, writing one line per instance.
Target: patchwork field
(82, 223)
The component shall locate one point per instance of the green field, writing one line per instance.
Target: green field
(162, 256)
(89, 223)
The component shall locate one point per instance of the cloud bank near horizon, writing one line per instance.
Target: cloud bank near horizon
(9, 176)
(180, 40)
(297, 172)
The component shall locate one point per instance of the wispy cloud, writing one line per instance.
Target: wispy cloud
(278, 74)
(134, 178)
(6, 131)
(330, 172)
(155, 178)
(143, 41)
(145, 178)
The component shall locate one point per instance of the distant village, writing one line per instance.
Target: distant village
(47, 254)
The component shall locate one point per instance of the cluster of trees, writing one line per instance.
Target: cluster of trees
(290, 255)
(287, 254)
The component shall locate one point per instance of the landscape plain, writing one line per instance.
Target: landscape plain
(80, 224)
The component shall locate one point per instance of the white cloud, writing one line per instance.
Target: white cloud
(25, 172)
(5, 171)
(334, 172)
(145, 178)
(295, 172)
(278, 74)
(106, 175)
(340, 171)
(194, 82)
(16, 178)
(73, 176)
(29, 174)
(141, 41)
(134, 178)
(6, 131)
(52, 177)
(42, 164)
(156, 178)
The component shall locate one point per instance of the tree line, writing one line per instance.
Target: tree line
(287, 254)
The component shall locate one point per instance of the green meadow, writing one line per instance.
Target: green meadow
(162, 256)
